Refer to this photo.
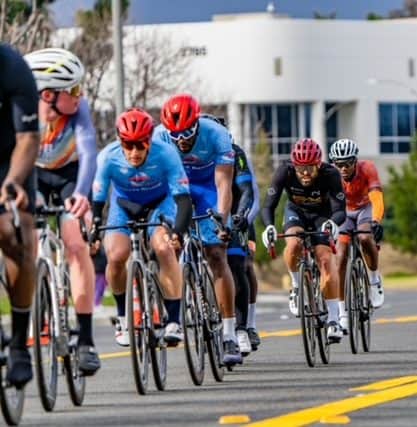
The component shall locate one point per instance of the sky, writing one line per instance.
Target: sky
(167, 11)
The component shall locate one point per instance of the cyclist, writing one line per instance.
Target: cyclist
(316, 202)
(143, 169)
(206, 151)
(365, 210)
(19, 128)
(65, 166)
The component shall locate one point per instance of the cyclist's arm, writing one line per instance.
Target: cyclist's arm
(243, 180)
(24, 100)
(223, 177)
(273, 195)
(337, 197)
(85, 135)
(101, 183)
(375, 192)
(256, 199)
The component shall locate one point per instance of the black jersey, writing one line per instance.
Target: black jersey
(242, 187)
(18, 100)
(324, 197)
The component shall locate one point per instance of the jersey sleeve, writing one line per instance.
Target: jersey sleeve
(256, 198)
(102, 178)
(178, 182)
(372, 176)
(243, 180)
(337, 197)
(223, 147)
(22, 93)
(85, 135)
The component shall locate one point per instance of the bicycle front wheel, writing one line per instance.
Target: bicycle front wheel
(158, 347)
(11, 398)
(46, 360)
(321, 321)
(365, 306)
(213, 327)
(351, 300)
(306, 306)
(75, 380)
(138, 334)
(192, 320)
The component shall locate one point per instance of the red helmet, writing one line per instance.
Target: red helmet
(180, 112)
(306, 152)
(135, 125)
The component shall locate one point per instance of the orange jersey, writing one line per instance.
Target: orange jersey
(365, 180)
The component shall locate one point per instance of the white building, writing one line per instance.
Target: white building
(320, 78)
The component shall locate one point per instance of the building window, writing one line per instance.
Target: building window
(278, 66)
(397, 125)
(276, 124)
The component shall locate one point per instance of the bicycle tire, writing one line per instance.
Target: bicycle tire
(11, 398)
(365, 306)
(305, 307)
(192, 320)
(158, 347)
(138, 336)
(45, 354)
(75, 380)
(351, 302)
(321, 322)
(213, 326)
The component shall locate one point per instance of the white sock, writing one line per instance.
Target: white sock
(342, 308)
(229, 329)
(333, 308)
(373, 277)
(251, 316)
(295, 278)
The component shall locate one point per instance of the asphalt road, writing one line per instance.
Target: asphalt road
(274, 385)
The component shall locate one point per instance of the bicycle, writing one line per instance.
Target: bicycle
(55, 328)
(146, 312)
(310, 300)
(358, 302)
(201, 318)
(11, 397)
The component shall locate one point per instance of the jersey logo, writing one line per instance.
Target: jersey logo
(242, 163)
(28, 119)
(340, 196)
(191, 158)
(184, 181)
(139, 178)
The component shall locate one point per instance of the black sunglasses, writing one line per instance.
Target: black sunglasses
(345, 164)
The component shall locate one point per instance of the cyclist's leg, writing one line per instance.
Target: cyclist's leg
(370, 251)
(253, 292)
(117, 247)
(341, 259)
(294, 222)
(329, 284)
(20, 267)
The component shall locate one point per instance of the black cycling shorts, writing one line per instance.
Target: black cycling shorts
(60, 181)
(308, 221)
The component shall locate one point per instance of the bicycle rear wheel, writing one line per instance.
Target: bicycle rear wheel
(75, 379)
(192, 320)
(138, 336)
(11, 398)
(158, 347)
(306, 306)
(46, 360)
(365, 306)
(352, 308)
(213, 326)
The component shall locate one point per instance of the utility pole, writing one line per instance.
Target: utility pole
(118, 54)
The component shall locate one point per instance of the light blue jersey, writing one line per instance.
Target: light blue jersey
(161, 177)
(213, 147)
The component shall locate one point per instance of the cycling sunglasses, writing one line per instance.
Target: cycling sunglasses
(139, 145)
(75, 91)
(345, 163)
(185, 134)
(310, 169)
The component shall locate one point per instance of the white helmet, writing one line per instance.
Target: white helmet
(55, 68)
(343, 149)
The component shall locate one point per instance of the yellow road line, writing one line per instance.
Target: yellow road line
(382, 385)
(341, 407)
(404, 319)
